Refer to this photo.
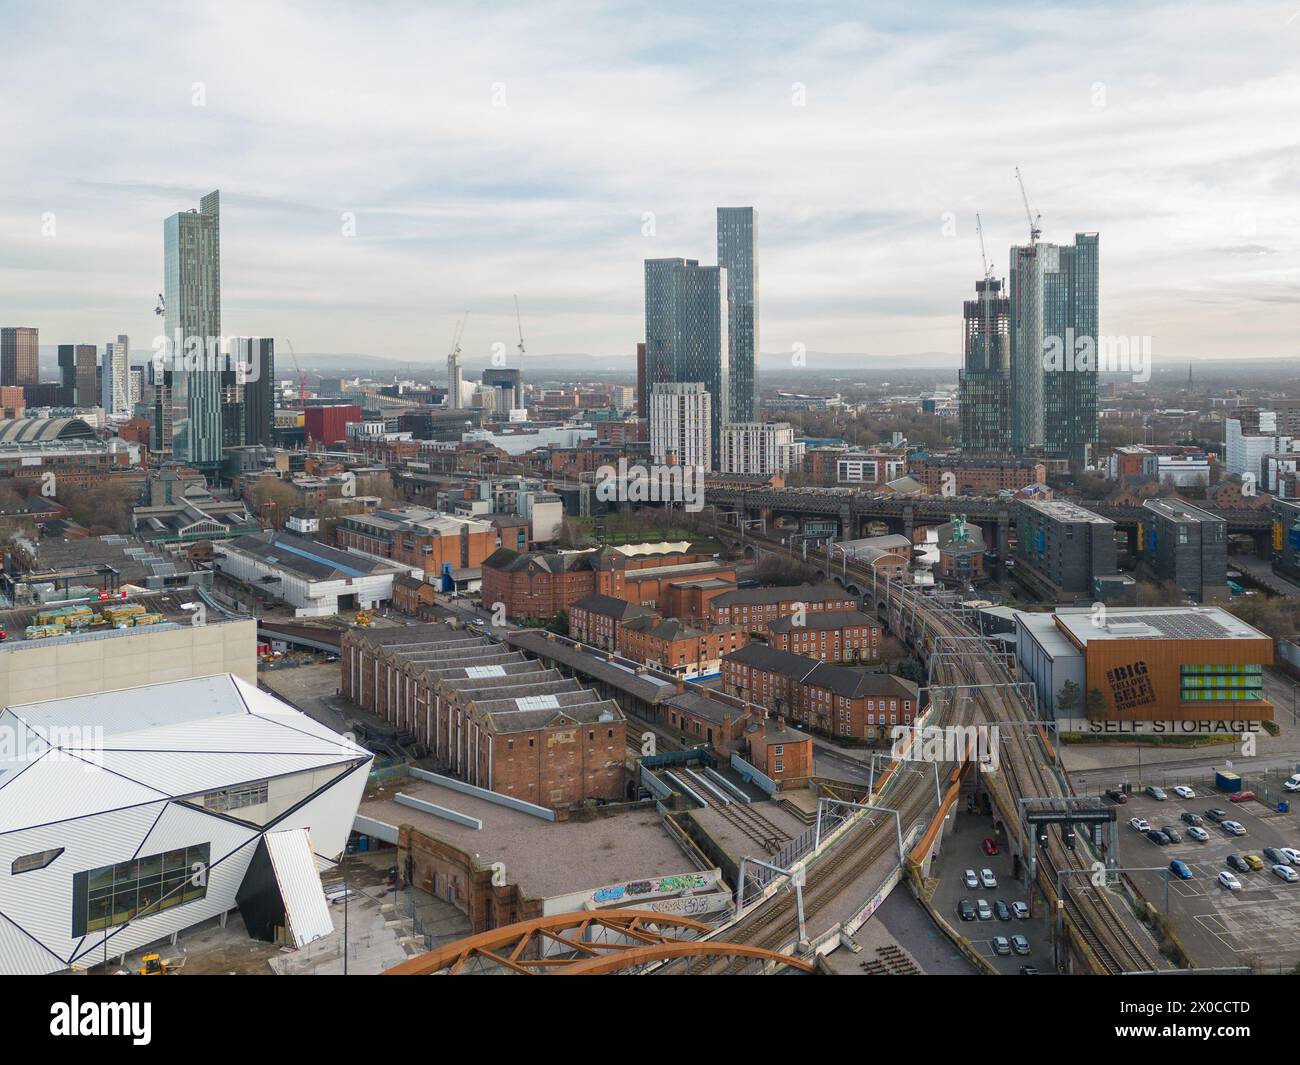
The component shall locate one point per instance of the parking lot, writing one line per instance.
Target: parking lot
(1257, 926)
(961, 851)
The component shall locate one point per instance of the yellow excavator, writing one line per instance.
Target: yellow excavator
(362, 618)
(157, 965)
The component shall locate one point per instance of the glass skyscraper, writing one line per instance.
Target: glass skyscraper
(687, 327)
(188, 400)
(738, 254)
(1054, 305)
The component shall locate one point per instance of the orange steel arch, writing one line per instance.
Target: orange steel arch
(610, 963)
(652, 936)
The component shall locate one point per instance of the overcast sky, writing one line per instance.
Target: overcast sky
(488, 150)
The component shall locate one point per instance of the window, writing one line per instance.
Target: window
(778, 749)
(236, 798)
(114, 894)
(29, 863)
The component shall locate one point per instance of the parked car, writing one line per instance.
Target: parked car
(1255, 862)
(1171, 834)
(1193, 819)
(1020, 944)
(1285, 872)
(1233, 828)
(1001, 946)
(1156, 793)
(988, 879)
(1274, 856)
(1028, 970)
(1292, 855)
(1237, 862)
(1001, 910)
(1215, 814)
(1241, 796)
(1140, 823)
(989, 847)
(1184, 792)
(1198, 833)
(972, 881)
(1021, 910)
(965, 910)
(1158, 838)
(1229, 881)
(1180, 869)
(983, 910)
(1292, 783)
(1116, 796)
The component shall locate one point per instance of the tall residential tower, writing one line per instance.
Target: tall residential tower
(984, 383)
(188, 398)
(1054, 347)
(738, 255)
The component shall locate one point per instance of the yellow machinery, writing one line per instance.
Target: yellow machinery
(363, 618)
(157, 965)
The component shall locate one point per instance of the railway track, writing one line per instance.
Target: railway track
(1025, 760)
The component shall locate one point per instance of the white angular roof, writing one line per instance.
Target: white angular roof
(67, 758)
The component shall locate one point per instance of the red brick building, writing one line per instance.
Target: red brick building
(755, 608)
(542, 584)
(828, 636)
(419, 537)
(675, 647)
(597, 620)
(977, 476)
(497, 719)
(833, 699)
(780, 752)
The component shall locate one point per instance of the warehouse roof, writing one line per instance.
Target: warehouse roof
(308, 558)
(23, 430)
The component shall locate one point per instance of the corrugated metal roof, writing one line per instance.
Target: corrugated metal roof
(305, 909)
(59, 786)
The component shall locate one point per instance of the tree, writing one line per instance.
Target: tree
(1067, 698)
(1096, 703)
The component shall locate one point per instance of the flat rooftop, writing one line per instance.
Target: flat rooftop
(1156, 623)
(545, 858)
(1064, 511)
(1179, 510)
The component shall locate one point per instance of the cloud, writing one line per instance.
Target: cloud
(1156, 126)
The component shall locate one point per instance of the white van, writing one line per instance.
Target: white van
(1292, 783)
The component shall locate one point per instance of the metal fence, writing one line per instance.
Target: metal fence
(1265, 783)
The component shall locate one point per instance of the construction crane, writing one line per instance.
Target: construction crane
(520, 323)
(1035, 231)
(302, 377)
(979, 231)
(456, 337)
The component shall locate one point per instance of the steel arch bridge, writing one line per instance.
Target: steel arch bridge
(588, 943)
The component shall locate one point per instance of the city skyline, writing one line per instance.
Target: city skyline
(455, 202)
